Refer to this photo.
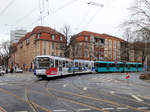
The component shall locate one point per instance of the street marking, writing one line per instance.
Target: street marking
(85, 88)
(59, 110)
(112, 92)
(107, 108)
(109, 80)
(116, 81)
(84, 109)
(122, 108)
(137, 98)
(143, 108)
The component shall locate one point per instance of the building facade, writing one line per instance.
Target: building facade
(84, 45)
(94, 46)
(41, 41)
(16, 35)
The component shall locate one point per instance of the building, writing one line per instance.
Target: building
(16, 35)
(94, 46)
(40, 41)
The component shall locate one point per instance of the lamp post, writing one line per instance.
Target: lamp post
(96, 4)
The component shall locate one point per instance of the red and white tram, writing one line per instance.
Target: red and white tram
(52, 66)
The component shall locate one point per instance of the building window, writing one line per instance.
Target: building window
(53, 45)
(102, 41)
(53, 53)
(21, 45)
(86, 53)
(86, 38)
(53, 37)
(38, 36)
(27, 41)
(44, 48)
(61, 38)
(114, 44)
(86, 45)
(61, 55)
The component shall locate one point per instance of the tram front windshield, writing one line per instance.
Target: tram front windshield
(42, 62)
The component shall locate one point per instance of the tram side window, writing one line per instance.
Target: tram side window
(112, 65)
(140, 65)
(52, 62)
(56, 63)
(118, 65)
(63, 63)
(133, 65)
(70, 64)
(86, 65)
(67, 64)
(102, 65)
(128, 65)
(60, 63)
(76, 64)
(80, 64)
(96, 64)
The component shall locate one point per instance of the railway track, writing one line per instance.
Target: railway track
(65, 96)
(90, 95)
(34, 106)
(62, 99)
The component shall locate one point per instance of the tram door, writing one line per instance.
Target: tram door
(60, 65)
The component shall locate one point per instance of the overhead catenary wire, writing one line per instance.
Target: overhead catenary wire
(54, 12)
(7, 6)
(25, 16)
(91, 19)
(95, 14)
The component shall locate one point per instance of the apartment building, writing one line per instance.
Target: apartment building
(94, 46)
(16, 35)
(40, 41)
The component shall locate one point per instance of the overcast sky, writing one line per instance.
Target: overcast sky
(16, 14)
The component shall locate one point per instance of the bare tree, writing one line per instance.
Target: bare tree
(142, 43)
(66, 31)
(126, 46)
(139, 23)
(5, 53)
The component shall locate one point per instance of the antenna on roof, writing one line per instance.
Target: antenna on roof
(44, 10)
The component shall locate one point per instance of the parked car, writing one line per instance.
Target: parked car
(2, 72)
(18, 70)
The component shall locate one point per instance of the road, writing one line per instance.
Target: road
(109, 92)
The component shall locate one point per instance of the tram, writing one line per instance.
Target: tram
(108, 66)
(52, 66)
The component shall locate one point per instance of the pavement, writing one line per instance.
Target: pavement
(104, 92)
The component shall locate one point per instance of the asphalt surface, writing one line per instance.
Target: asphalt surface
(105, 92)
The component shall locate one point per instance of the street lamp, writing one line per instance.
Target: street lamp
(96, 4)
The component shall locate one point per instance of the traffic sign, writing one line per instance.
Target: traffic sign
(127, 76)
(145, 66)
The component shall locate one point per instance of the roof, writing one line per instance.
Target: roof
(40, 29)
(45, 29)
(88, 33)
